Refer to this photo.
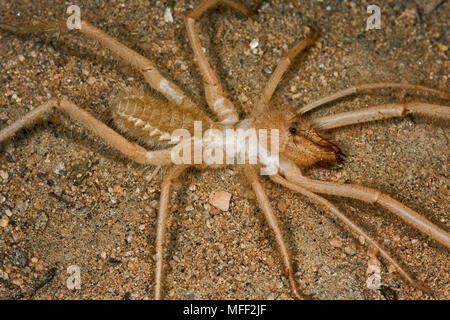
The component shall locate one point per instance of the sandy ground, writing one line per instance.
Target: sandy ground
(70, 200)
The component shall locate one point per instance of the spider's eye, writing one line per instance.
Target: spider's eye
(292, 130)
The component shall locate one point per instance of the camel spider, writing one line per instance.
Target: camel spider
(302, 145)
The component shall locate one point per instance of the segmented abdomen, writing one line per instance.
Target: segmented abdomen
(152, 121)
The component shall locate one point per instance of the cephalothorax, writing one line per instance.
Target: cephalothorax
(301, 143)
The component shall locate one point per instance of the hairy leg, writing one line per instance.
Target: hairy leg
(349, 223)
(144, 65)
(27, 120)
(151, 74)
(215, 98)
(115, 140)
(368, 86)
(274, 225)
(173, 173)
(373, 197)
(281, 68)
(382, 112)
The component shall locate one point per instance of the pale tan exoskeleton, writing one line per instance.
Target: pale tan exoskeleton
(301, 145)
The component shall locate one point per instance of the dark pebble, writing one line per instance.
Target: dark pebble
(19, 258)
(114, 260)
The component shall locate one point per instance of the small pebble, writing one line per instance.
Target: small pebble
(297, 96)
(18, 281)
(350, 249)
(154, 204)
(149, 210)
(183, 66)
(60, 168)
(4, 175)
(335, 242)
(8, 212)
(254, 44)
(281, 205)
(243, 98)
(168, 15)
(15, 97)
(189, 208)
(267, 69)
(442, 47)
(220, 200)
(4, 222)
(361, 240)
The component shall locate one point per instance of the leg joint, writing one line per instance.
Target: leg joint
(377, 195)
